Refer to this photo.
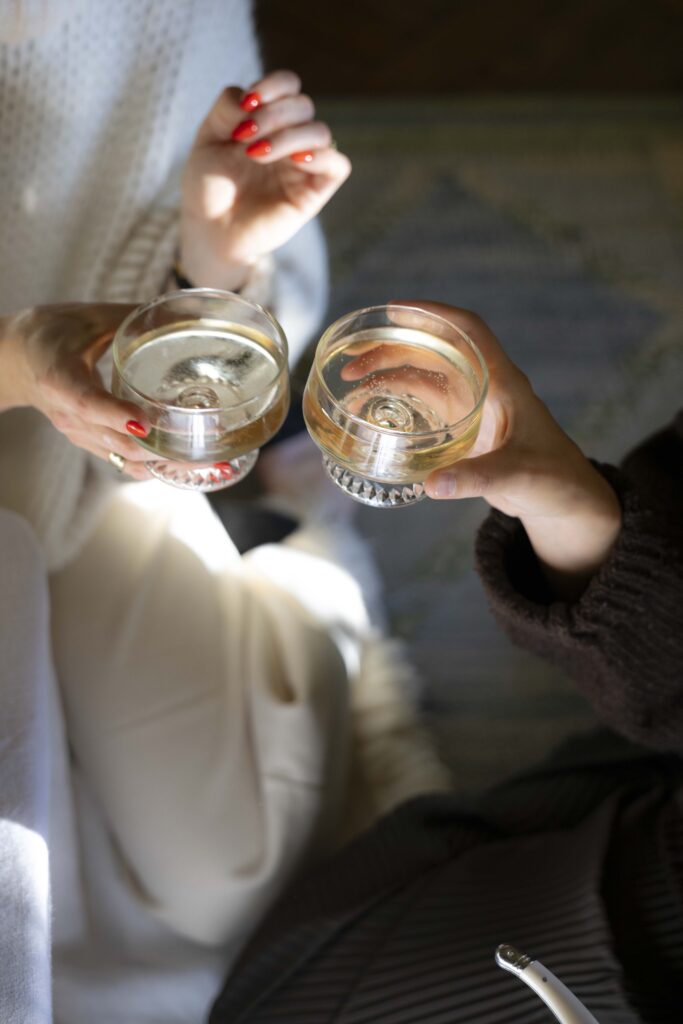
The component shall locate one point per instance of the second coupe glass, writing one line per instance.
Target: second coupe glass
(394, 393)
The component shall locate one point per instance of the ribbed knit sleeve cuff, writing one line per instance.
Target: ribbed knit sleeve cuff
(141, 269)
(622, 640)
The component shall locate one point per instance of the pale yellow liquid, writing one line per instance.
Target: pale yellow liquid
(215, 388)
(398, 423)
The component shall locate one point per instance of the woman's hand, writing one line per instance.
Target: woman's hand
(260, 168)
(48, 358)
(525, 465)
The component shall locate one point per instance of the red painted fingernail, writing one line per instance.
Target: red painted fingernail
(244, 130)
(304, 157)
(136, 429)
(251, 100)
(226, 469)
(260, 148)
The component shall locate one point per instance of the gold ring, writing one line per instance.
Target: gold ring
(117, 461)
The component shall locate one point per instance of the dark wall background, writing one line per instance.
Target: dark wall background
(385, 47)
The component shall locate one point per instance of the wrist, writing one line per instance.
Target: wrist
(572, 546)
(227, 277)
(197, 265)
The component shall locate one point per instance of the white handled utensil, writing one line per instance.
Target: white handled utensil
(556, 996)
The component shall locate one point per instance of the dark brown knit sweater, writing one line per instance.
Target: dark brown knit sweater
(580, 863)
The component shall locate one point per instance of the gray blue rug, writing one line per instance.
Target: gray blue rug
(559, 221)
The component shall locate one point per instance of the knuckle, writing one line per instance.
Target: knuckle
(226, 100)
(50, 382)
(122, 445)
(220, 117)
(470, 319)
(291, 79)
(61, 420)
(524, 381)
(324, 132)
(480, 482)
(81, 405)
(527, 478)
(345, 165)
(306, 104)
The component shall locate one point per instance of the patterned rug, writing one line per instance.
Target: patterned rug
(559, 221)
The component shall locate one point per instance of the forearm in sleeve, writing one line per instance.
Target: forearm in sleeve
(622, 640)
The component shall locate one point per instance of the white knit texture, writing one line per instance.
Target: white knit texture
(96, 119)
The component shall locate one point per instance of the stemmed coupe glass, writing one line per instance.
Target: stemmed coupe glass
(394, 393)
(209, 370)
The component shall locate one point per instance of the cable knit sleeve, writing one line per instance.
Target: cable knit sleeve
(623, 639)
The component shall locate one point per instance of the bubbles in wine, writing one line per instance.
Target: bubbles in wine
(393, 403)
(201, 367)
(211, 389)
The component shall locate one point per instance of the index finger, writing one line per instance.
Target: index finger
(273, 86)
(407, 313)
(469, 323)
(101, 408)
(370, 357)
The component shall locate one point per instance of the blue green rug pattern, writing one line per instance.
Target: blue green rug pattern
(559, 221)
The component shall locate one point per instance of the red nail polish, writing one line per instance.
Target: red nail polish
(226, 469)
(251, 100)
(304, 157)
(136, 429)
(260, 148)
(244, 130)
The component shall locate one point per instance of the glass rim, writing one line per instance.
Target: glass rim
(207, 292)
(423, 312)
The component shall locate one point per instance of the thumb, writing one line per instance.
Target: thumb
(223, 117)
(470, 478)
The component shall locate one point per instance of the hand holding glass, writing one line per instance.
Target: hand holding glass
(394, 393)
(209, 370)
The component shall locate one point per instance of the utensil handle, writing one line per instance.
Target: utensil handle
(554, 993)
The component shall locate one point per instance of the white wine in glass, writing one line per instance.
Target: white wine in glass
(394, 393)
(209, 370)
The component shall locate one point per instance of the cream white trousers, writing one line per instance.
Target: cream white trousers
(173, 744)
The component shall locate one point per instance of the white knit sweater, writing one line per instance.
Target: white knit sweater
(99, 104)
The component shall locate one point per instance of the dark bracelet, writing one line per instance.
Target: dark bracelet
(184, 283)
(180, 279)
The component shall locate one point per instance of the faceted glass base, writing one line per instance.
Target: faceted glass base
(204, 478)
(370, 492)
